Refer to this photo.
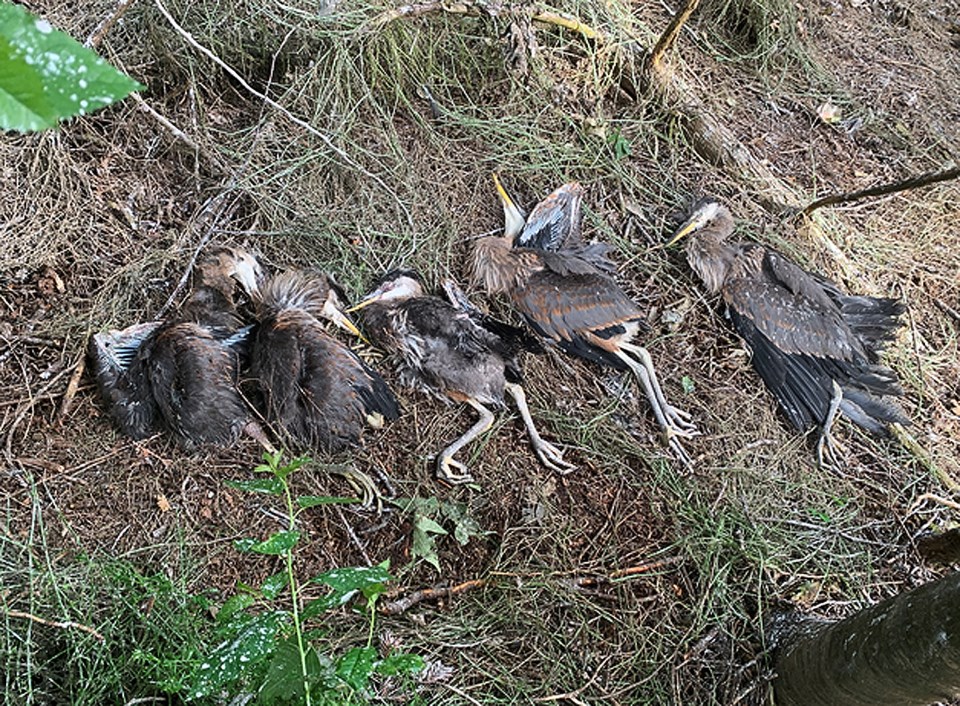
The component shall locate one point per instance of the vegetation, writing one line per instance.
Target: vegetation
(355, 139)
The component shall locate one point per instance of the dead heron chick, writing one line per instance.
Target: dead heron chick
(571, 302)
(316, 391)
(180, 375)
(449, 349)
(816, 348)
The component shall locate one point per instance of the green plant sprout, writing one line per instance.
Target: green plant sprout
(269, 649)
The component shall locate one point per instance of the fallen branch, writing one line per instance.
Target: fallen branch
(896, 187)
(107, 23)
(56, 624)
(480, 9)
(395, 607)
(670, 35)
(72, 386)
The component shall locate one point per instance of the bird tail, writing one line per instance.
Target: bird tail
(871, 412)
(874, 320)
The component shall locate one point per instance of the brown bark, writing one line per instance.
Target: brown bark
(905, 185)
(904, 651)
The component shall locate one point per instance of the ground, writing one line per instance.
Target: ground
(631, 580)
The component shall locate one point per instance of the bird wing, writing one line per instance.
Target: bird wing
(793, 310)
(570, 307)
(554, 223)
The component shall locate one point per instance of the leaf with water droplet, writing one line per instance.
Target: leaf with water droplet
(356, 666)
(46, 75)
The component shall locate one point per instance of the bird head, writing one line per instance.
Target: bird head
(116, 349)
(554, 221)
(396, 285)
(513, 216)
(705, 212)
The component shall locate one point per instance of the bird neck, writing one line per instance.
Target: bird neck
(711, 258)
(494, 264)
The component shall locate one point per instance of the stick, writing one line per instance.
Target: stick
(402, 604)
(893, 188)
(670, 35)
(72, 386)
(106, 24)
(56, 624)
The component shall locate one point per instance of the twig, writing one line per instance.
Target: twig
(922, 455)
(347, 159)
(897, 186)
(935, 498)
(56, 624)
(106, 24)
(473, 9)
(72, 386)
(572, 695)
(948, 310)
(178, 133)
(411, 599)
(670, 35)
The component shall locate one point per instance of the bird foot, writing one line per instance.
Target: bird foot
(829, 452)
(447, 470)
(673, 442)
(680, 423)
(552, 457)
(363, 485)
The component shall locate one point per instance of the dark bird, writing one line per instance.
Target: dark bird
(316, 391)
(555, 224)
(816, 348)
(571, 301)
(452, 351)
(180, 375)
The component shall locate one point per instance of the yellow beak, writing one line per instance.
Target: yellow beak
(687, 228)
(340, 319)
(513, 218)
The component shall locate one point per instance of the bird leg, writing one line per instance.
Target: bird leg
(549, 455)
(827, 448)
(445, 461)
(673, 421)
(255, 432)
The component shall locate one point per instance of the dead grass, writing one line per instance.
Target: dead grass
(112, 207)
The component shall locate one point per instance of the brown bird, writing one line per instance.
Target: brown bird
(452, 351)
(571, 302)
(316, 391)
(556, 223)
(816, 348)
(180, 375)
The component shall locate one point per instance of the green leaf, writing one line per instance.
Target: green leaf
(278, 543)
(424, 545)
(400, 663)
(353, 578)
(306, 501)
(284, 681)
(272, 587)
(688, 385)
(237, 657)
(273, 486)
(295, 464)
(234, 605)
(356, 666)
(46, 76)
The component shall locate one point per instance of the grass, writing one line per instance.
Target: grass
(754, 524)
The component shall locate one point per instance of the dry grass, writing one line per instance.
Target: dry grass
(113, 206)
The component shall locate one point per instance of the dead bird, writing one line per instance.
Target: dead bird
(570, 300)
(181, 375)
(452, 351)
(816, 348)
(316, 392)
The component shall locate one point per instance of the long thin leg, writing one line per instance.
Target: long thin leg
(657, 405)
(445, 461)
(679, 417)
(255, 432)
(549, 455)
(827, 448)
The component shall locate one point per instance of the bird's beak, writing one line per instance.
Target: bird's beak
(246, 270)
(374, 296)
(692, 224)
(513, 218)
(331, 311)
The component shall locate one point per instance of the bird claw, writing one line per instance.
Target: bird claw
(673, 442)
(363, 485)
(680, 422)
(445, 466)
(828, 452)
(552, 457)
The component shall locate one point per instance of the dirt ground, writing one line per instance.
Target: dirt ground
(100, 219)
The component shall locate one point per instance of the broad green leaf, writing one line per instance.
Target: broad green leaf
(400, 663)
(354, 578)
(273, 486)
(356, 666)
(278, 543)
(424, 545)
(289, 468)
(306, 501)
(284, 681)
(234, 605)
(273, 586)
(237, 656)
(425, 524)
(46, 76)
